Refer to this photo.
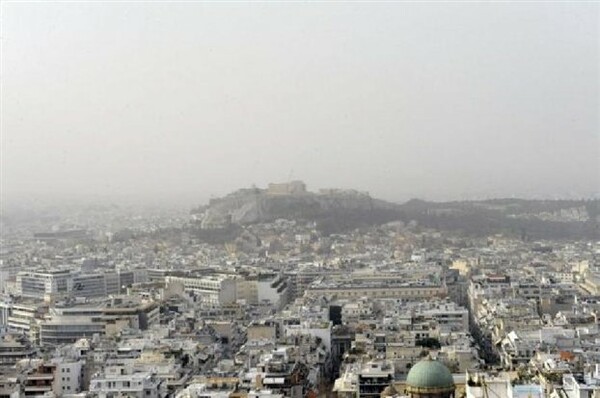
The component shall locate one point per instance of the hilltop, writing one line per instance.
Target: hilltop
(336, 210)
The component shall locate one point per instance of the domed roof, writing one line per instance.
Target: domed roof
(429, 374)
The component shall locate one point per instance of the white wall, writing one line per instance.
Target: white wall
(68, 378)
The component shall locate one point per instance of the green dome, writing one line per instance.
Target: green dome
(429, 374)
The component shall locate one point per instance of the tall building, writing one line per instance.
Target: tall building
(43, 284)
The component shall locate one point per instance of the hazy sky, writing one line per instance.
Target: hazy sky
(431, 100)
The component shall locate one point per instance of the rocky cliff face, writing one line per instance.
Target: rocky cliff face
(250, 206)
(339, 210)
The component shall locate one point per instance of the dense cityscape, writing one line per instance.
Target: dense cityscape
(299, 199)
(102, 304)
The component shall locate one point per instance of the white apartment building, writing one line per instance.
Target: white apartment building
(69, 376)
(116, 381)
(590, 388)
(483, 385)
(448, 315)
(320, 329)
(22, 316)
(211, 289)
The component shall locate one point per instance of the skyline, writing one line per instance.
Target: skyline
(434, 101)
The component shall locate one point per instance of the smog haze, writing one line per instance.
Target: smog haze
(436, 100)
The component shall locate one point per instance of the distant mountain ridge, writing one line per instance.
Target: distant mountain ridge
(529, 219)
(336, 210)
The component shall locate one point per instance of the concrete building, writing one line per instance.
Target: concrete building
(94, 285)
(320, 329)
(40, 380)
(14, 348)
(44, 284)
(62, 329)
(67, 322)
(374, 377)
(115, 381)
(264, 289)
(498, 385)
(56, 284)
(22, 316)
(375, 289)
(69, 376)
(589, 387)
(210, 289)
(10, 386)
(122, 312)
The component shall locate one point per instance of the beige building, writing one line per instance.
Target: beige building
(261, 331)
(376, 290)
